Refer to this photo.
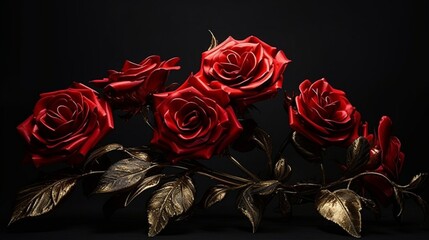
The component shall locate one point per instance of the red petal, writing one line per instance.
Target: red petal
(384, 133)
(295, 124)
(101, 83)
(123, 85)
(391, 158)
(131, 65)
(304, 85)
(26, 128)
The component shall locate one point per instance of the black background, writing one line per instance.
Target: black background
(376, 51)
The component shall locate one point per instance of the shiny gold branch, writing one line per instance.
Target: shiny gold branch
(243, 169)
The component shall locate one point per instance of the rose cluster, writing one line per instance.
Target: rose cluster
(325, 116)
(202, 117)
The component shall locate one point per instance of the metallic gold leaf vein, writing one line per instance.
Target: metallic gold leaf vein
(41, 198)
(215, 194)
(123, 174)
(172, 199)
(251, 207)
(148, 182)
(341, 207)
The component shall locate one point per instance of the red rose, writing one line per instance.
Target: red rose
(65, 125)
(324, 115)
(130, 88)
(248, 70)
(194, 122)
(385, 158)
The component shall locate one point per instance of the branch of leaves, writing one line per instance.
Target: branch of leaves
(254, 196)
(358, 155)
(402, 192)
(343, 206)
(130, 177)
(42, 197)
(251, 201)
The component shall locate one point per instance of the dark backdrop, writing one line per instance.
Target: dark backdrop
(376, 51)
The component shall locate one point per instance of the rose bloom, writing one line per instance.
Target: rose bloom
(385, 158)
(194, 122)
(130, 88)
(65, 125)
(324, 115)
(249, 70)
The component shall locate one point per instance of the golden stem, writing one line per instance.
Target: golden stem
(243, 169)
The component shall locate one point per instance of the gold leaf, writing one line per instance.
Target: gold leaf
(251, 206)
(282, 169)
(123, 174)
(357, 154)
(265, 187)
(140, 155)
(215, 194)
(145, 153)
(103, 150)
(123, 199)
(213, 41)
(41, 198)
(172, 199)
(341, 207)
(148, 182)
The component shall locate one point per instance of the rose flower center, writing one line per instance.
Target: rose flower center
(236, 68)
(190, 121)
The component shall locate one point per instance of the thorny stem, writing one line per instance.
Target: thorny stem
(302, 192)
(224, 178)
(237, 178)
(291, 189)
(307, 184)
(239, 182)
(219, 179)
(349, 180)
(91, 173)
(174, 166)
(318, 187)
(243, 169)
(202, 167)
